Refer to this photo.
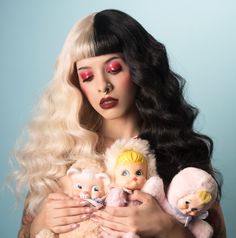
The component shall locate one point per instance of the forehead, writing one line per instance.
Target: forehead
(132, 166)
(102, 59)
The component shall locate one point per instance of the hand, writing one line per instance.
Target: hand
(61, 213)
(147, 219)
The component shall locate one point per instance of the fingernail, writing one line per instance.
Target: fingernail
(73, 226)
(85, 216)
(94, 219)
(83, 202)
(88, 209)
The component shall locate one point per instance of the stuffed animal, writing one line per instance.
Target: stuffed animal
(190, 194)
(131, 166)
(89, 181)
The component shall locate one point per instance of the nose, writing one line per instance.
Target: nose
(104, 85)
(135, 179)
(84, 194)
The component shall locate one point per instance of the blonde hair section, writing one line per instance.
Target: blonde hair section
(130, 157)
(204, 196)
(58, 135)
(141, 149)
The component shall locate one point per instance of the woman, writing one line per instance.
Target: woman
(112, 80)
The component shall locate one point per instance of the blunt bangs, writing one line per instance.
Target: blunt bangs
(106, 39)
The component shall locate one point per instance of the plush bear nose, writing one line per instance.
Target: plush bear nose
(84, 194)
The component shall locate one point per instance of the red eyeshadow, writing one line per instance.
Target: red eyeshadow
(86, 74)
(113, 66)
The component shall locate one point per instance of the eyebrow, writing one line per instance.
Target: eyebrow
(108, 60)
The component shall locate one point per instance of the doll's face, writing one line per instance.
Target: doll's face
(88, 188)
(94, 73)
(131, 176)
(190, 205)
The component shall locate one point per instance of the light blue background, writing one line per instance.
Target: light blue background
(200, 37)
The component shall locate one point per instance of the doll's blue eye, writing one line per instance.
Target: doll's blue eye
(139, 172)
(95, 189)
(125, 173)
(78, 186)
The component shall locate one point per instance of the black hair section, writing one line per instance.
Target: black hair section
(166, 118)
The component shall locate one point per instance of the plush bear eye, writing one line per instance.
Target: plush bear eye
(78, 186)
(95, 189)
(187, 202)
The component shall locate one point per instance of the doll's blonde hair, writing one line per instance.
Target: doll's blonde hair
(204, 196)
(65, 125)
(130, 150)
(130, 157)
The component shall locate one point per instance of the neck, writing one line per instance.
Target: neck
(125, 127)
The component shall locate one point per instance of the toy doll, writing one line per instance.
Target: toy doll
(88, 181)
(190, 194)
(132, 166)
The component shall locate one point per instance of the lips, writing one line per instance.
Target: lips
(108, 102)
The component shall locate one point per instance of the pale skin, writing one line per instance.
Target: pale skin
(62, 213)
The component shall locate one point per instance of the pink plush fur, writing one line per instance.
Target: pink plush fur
(184, 187)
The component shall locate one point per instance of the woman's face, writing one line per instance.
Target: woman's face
(96, 74)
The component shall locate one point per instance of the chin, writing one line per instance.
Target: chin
(114, 113)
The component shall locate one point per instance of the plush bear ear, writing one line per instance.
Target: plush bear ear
(73, 171)
(104, 177)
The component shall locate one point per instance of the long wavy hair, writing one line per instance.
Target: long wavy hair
(66, 125)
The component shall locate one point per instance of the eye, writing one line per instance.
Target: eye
(86, 75)
(194, 209)
(139, 172)
(78, 186)
(125, 173)
(187, 202)
(95, 189)
(113, 67)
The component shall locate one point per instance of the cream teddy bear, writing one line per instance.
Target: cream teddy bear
(89, 181)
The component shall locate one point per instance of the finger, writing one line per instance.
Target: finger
(72, 211)
(112, 213)
(64, 221)
(140, 196)
(111, 232)
(66, 228)
(117, 211)
(111, 224)
(65, 203)
(58, 196)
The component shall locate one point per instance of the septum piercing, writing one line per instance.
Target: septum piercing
(107, 89)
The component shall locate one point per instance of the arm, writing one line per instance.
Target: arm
(146, 220)
(24, 231)
(216, 220)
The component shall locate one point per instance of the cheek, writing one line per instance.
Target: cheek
(88, 93)
(126, 83)
(85, 90)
